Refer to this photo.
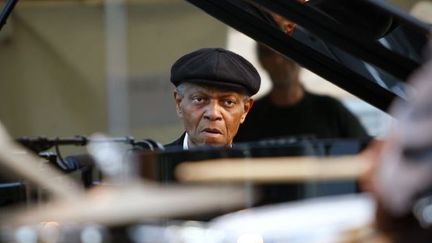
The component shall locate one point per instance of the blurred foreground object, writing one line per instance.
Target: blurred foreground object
(400, 175)
(114, 205)
(22, 163)
(407, 154)
(269, 170)
(423, 11)
(316, 220)
(122, 199)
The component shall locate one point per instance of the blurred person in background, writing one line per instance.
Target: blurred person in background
(290, 110)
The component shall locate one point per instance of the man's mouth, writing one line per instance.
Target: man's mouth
(212, 131)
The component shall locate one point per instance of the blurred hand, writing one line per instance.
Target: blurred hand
(371, 155)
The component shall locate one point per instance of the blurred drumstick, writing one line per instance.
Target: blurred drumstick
(24, 164)
(134, 203)
(269, 170)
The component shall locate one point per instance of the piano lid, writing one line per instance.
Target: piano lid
(367, 47)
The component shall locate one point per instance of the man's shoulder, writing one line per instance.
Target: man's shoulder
(178, 142)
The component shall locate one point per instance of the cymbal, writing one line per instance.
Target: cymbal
(322, 219)
(117, 205)
(271, 170)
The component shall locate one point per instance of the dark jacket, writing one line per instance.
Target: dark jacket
(176, 143)
(174, 154)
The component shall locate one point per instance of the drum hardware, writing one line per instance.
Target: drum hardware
(24, 164)
(127, 201)
(81, 162)
(39, 144)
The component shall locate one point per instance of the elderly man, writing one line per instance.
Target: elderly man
(212, 95)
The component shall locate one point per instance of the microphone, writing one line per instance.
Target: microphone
(148, 144)
(40, 144)
(75, 162)
(81, 161)
(69, 164)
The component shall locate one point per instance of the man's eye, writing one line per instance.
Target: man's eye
(198, 99)
(229, 103)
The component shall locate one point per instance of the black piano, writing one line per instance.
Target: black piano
(345, 42)
(366, 47)
(370, 57)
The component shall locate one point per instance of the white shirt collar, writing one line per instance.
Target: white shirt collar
(185, 142)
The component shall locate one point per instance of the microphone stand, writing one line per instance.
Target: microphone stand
(39, 144)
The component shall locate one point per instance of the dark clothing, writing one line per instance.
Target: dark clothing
(177, 143)
(168, 160)
(317, 116)
(174, 154)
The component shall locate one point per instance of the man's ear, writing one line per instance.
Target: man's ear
(246, 108)
(178, 98)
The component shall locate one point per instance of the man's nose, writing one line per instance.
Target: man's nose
(212, 112)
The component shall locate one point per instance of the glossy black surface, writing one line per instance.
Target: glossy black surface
(370, 55)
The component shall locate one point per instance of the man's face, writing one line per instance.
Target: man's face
(286, 25)
(211, 115)
(282, 71)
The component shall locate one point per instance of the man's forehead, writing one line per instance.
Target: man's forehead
(209, 88)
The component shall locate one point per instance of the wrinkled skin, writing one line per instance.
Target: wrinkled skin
(211, 116)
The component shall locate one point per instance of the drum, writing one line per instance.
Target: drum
(321, 220)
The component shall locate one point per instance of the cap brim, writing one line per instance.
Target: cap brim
(221, 84)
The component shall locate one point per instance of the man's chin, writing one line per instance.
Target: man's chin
(215, 142)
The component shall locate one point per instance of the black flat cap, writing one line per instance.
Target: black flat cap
(216, 66)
